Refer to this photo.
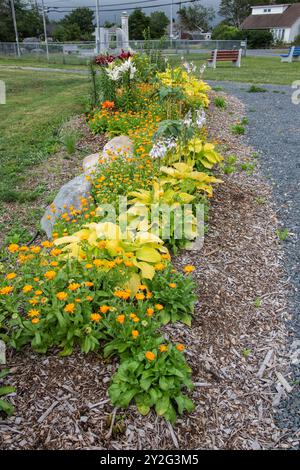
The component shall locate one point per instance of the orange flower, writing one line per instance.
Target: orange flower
(139, 296)
(159, 266)
(55, 252)
(98, 262)
(38, 292)
(96, 317)
(150, 355)
(69, 308)
(110, 264)
(27, 288)
(88, 266)
(33, 301)
(54, 264)
(102, 244)
(61, 295)
(121, 319)
(172, 285)
(108, 104)
(159, 306)
(10, 276)
(50, 275)
(104, 308)
(149, 295)
(189, 268)
(88, 284)
(47, 244)
(6, 290)
(135, 333)
(33, 313)
(36, 249)
(89, 298)
(180, 347)
(35, 320)
(122, 294)
(13, 247)
(142, 287)
(150, 312)
(135, 319)
(74, 286)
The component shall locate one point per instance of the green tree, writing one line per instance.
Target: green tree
(235, 11)
(196, 17)
(78, 25)
(138, 22)
(28, 17)
(158, 24)
(225, 31)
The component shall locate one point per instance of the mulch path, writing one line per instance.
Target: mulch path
(237, 350)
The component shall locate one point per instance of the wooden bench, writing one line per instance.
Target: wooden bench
(293, 54)
(233, 56)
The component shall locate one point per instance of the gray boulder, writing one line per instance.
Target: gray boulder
(69, 195)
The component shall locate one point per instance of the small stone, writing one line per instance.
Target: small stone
(2, 352)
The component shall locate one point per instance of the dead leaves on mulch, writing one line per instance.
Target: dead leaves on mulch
(236, 349)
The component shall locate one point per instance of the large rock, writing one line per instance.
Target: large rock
(120, 145)
(90, 163)
(69, 195)
(2, 352)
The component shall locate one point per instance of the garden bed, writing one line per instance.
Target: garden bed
(62, 403)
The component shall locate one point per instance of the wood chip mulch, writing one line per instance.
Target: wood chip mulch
(237, 349)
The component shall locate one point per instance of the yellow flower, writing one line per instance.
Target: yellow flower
(54, 264)
(150, 356)
(36, 279)
(88, 284)
(89, 298)
(163, 348)
(33, 301)
(88, 266)
(6, 290)
(74, 286)
(102, 244)
(61, 295)
(110, 264)
(69, 308)
(38, 292)
(159, 306)
(50, 275)
(27, 288)
(128, 264)
(96, 317)
(47, 244)
(10, 276)
(122, 294)
(33, 313)
(13, 247)
(35, 320)
(172, 285)
(180, 347)
(135, 333)
(135, 319)
(121, 319)
(189, 268)
(78, 301)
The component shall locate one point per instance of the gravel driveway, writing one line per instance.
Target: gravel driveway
(274, 132)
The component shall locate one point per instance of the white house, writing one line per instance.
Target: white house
(283, 21)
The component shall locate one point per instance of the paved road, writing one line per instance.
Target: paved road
(274, 131)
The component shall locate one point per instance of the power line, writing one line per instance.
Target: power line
(61, 9)
(104, 5)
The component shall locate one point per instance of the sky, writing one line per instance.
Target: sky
(119, 7)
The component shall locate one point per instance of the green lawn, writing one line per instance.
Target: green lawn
(253, 70)
(37, 104)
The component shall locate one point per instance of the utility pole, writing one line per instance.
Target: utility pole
(15, 26)
(45, 30)
(171, 21)
(98, 28)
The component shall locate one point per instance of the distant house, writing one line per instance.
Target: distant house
(283, 21)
